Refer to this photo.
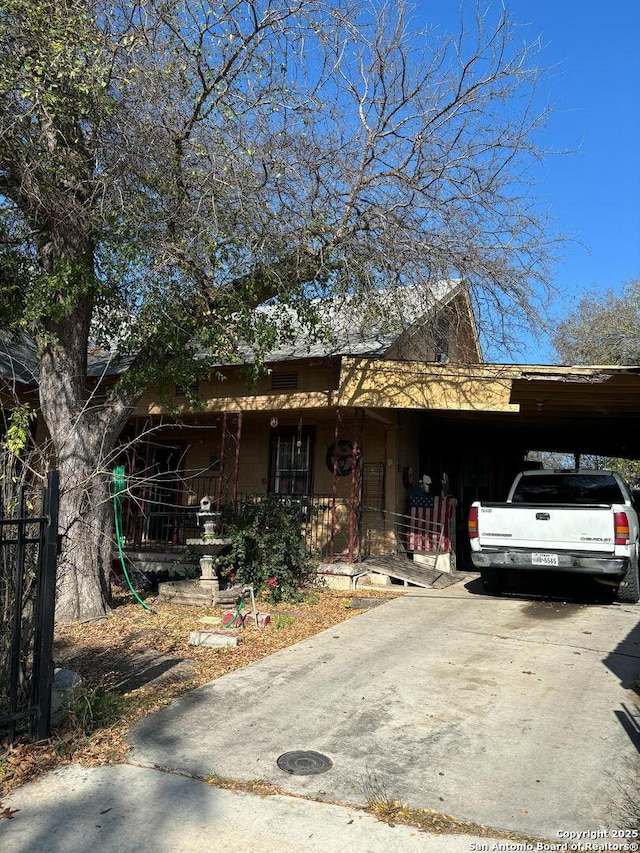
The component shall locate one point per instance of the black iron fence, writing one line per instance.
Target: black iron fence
(28, 551)
(166, 522)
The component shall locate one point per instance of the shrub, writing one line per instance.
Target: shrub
(268, 550)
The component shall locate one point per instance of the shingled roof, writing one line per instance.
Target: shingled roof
(19, 359)
(357, 325)
(364, 325)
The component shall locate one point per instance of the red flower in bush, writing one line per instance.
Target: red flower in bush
(272, 582)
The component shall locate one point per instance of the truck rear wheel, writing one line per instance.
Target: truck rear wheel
(629, 589)
(493, 580)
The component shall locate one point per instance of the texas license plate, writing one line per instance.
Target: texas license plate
(544, 559)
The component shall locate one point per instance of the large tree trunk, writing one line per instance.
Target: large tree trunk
(83, 455)
(84, 431)
(85, 525)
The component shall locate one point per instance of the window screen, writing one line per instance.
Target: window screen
(291, 462)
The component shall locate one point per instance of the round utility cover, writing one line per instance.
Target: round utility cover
(303, 762)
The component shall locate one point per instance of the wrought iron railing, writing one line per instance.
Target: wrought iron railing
(313, 513)
(28, 553)
(403, 536)
(162, 517)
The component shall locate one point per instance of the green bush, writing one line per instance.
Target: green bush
(268, 550)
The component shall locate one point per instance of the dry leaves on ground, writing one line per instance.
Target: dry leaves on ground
(136, 661)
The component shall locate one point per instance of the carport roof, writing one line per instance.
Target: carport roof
(587, 409)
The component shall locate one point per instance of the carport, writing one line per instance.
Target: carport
(581, 409)
(475, 423)
(577, 409)
(574, 410)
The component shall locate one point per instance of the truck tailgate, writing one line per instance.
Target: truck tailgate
(578, 528)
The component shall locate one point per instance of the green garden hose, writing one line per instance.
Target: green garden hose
(119, 487)
(236, 616)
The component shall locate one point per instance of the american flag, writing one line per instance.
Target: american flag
(429, 525)
(421, 499)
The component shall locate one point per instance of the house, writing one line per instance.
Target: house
(346, 424)
(334, 426)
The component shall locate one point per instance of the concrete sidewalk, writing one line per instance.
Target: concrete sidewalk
(122, 809)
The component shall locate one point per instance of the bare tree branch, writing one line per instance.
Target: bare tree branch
(165, 167)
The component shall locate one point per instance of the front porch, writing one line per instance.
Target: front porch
(344, 538)
(354, 473)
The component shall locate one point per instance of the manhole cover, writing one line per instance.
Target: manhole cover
(303, 762)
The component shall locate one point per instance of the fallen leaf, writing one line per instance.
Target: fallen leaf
(8, 813)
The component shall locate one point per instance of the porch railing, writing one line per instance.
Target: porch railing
(165, 518)
(396, 533)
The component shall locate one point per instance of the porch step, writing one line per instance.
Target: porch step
(404, 569)
(155, 556)
(198, 593)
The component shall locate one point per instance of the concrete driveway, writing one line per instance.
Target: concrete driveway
(518, 714)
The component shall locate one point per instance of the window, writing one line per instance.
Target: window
(291, 461)
(568, 489)
(442, 337)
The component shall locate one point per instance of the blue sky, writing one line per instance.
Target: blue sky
(593, 51)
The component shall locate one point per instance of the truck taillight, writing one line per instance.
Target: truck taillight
(473, 522)
(621, 523)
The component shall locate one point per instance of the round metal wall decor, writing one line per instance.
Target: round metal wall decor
(341, 457)
(304, 762)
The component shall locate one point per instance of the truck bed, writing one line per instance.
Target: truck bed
(579, 521)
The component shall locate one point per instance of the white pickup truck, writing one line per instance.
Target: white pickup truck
(579, 521)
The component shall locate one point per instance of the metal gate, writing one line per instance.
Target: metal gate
(28, 550)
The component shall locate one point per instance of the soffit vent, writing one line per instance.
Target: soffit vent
(284, 380)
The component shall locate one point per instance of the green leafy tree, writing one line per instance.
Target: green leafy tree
(629, 469)
(167, 166)
(603, 328)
